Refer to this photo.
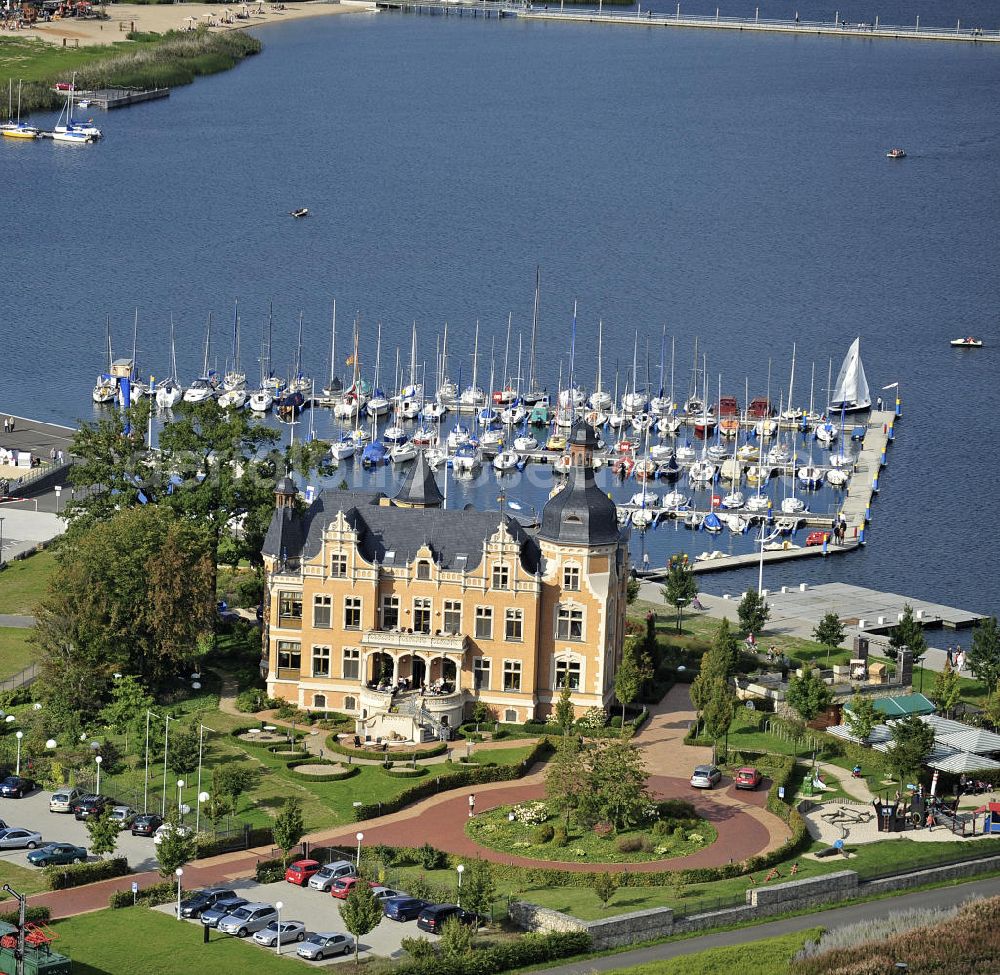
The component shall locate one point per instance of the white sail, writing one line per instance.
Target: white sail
(851, 391)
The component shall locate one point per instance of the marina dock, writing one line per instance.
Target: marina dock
(969, 33)
(108, 98)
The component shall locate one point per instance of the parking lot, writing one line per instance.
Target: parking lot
(319, 912)
(32, 812)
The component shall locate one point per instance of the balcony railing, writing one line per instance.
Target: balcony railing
(425, 641)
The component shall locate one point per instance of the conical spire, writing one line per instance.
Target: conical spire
(420, 489)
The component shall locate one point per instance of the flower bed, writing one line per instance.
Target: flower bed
(535, 833)
(321, 770)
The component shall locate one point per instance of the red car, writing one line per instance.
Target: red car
(300, 871)
(747, 778)
(342, 886)
(817, 538)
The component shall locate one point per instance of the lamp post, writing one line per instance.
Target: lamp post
(166, 741)
(1, 540)
(278, 905)
(97, 761)
(197, 815)
(180, 797)
(145, 780)
(461, 869)
(359, 837)
(202, 797)
(19, 736)
(178, 873)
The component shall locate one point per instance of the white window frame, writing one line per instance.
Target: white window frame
(350, 656)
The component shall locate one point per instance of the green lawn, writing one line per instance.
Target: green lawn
(23, 583)
(22, 879)
(16, 652)
(767, 957)
(137, 941)
(30, 59)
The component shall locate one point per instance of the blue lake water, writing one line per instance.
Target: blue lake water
(732, 188)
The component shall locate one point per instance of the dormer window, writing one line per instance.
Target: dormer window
(573, 520)
(501, 576)
(423, 569)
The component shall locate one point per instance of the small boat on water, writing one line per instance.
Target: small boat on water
(967, 343)
(896, 153)
(300, 212)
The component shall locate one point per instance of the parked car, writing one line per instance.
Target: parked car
(16, 838)
(384, 894)
(290, 931)
(90, 805)
(61, 801)
(16, 787)
(342, 886)
(223, 907)
(57, 854)
(202, 900)
(325, 945)
(162, 831)
(432, 918)
(301, 871)
(146, 824)
(705, 776)
(248, 919)
(747, 777)
(404, 908)
(324, 877)
(123, 816)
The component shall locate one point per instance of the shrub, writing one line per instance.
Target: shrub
(628, 844)
(78, 874)
(531, 813)
(527, 949)
(152, 895)
(559, 836)
(431, 858)
(616, 721)
(249, 702)
(344, 772)
(593, 718)
(33, 915)
(269, 871)
(335, 746)
(542, 834)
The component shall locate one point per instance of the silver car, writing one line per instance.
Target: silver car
(123, 816)
(290, 931)
(62, 800)
(323, 878)
(705, 776)
(382, 894)
(247, 919)
(19, 839)
(326, 945)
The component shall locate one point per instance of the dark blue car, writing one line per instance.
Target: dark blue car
(404, 908)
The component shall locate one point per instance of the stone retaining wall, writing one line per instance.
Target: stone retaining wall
(838, 886)
(629, 929)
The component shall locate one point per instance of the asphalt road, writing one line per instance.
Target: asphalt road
(32, 812)
(833, 918)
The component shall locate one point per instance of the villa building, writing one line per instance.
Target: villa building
(405, 613)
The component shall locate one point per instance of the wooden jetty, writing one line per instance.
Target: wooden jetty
(875, 30)
(108, 98)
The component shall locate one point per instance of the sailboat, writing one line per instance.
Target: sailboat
(105, 388)
(334, 386)
(472, 397)
(535, 396)
(18, 129)
(634, 402)
(70, 130)
(262, 398)
(168, 391)
(203, 388)
(851, 392)
(234, 383)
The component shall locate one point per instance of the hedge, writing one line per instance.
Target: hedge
(405, 773)
(439, 749)
(263, 745)
(78, 874)
(527, 949)
(32, 915)
(326, 777)
(269, 871)
(162, 893)
(461, 779)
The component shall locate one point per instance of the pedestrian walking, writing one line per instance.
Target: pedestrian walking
(948, 655)
(10, 421)
(472, 804)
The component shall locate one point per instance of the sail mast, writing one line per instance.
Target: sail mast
(534, 332)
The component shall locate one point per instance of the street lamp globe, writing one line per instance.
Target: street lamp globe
(278, 905)
(179, 872)
(52, 743)
(19, 735)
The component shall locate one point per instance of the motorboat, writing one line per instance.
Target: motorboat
(556, 442)
(786, 526)
(967, 343)
(168, 393)
(784, 546)
(837, 477)
(505, 396)
(625, 445)
(896, 153)
(729, 427)
(233, 399)
(525, 442)
(505, 461)
(702, 472)
(467, 458)
(433, 411)
(346, 408)
(299, 212)
(827, 432)
(792, 505)
(201, 389)
(539, 415)
(712, 556)
(261, 400)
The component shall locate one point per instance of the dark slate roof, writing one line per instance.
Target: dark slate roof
(382, 529)
(419, 485)
(286, 486)
(284, 536)
(581, 513)
(583, 435)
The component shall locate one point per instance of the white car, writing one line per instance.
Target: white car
(62, 800)
(167, 828)
(325, 945)
(290, 931)
(323, 878)
(248, 919)
(16, 838)
(382, 894)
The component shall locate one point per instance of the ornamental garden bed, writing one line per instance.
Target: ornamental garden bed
(532, 830)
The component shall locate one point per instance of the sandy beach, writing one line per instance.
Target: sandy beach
(125, 17)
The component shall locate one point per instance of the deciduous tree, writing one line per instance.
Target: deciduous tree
(615, 784)
(861, 716)
(830, 632)
(183, 751)
(564, 782)
(753, 612)
(175, 849)
(681, 587)
(908, 633)
(808, 694)
(983, 658)
(912, 741)
(478, 888)
(289, 827)
(947, 690)
(234, 780)
(103, 832)
(361, 913)
(605, 886)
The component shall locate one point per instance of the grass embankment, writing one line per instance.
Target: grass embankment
(23, 582)
(148, 61)
(16, 650)
(765, 957)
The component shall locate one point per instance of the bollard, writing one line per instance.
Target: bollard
(868, 515)
(874, 485)
(861, 537)
(826, 539)
(892, 432)
(882, 459)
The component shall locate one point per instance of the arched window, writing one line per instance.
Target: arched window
(423, 569)
(319, 700)
(350, 704)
